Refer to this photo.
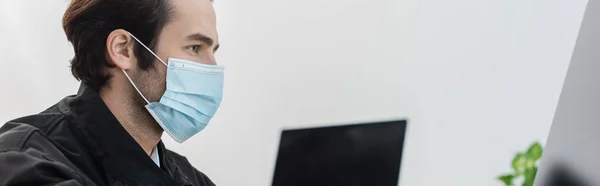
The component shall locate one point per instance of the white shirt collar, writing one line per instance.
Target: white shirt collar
(155, 157)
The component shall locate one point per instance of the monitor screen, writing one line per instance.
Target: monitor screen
(367, 154)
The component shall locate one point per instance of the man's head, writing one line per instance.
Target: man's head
(98, 30)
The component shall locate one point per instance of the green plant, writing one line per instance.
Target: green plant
(525, 166)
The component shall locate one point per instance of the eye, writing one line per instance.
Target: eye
(195, 48)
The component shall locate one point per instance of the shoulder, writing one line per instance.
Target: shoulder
(22, 132)
(36, 133)
(187, 168)
(18, 136)
(29, 153)
(14, 136)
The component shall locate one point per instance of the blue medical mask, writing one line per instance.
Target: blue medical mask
(193, 95)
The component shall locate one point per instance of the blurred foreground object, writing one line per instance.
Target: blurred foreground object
(524, 165)
(561, 175)
(571, 153)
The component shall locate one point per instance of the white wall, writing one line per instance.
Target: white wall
(34, 55)
(479, 80)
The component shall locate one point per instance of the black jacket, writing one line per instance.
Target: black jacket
(79, 142)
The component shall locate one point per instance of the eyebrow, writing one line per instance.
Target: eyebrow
(203, 38)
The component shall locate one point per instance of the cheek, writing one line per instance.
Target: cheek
(176, 52)
(160, 78)
(164, 55)
(154, 81)
(168, 50)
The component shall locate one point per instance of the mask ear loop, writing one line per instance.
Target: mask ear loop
(138, 90)
(130, 80)
(147, 49)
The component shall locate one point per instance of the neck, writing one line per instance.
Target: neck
(133, 117)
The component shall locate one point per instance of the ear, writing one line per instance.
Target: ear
(119, 49)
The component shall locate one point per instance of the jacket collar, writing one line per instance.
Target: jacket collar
(112, 146)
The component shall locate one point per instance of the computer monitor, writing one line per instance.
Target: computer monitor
(366, 154)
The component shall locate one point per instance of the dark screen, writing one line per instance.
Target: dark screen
(351, 155)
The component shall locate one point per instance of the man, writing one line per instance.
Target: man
(146, 66)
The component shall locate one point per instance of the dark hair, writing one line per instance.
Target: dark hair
(87, 24)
